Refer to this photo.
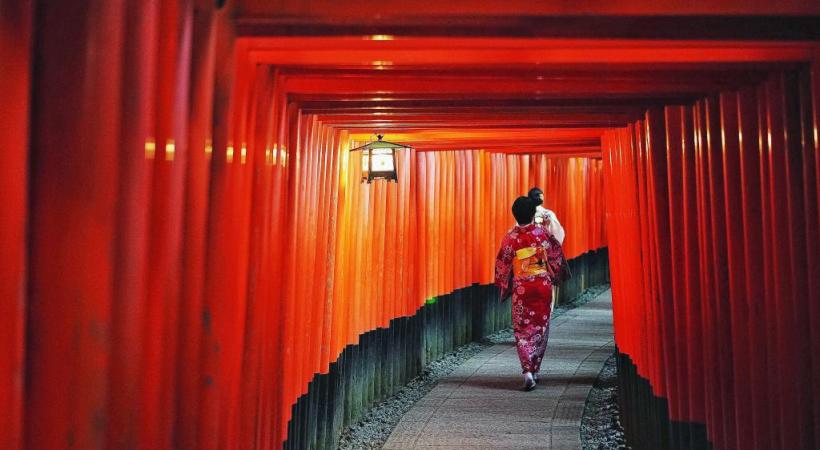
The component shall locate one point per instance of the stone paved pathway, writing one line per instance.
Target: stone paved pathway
(480, 404)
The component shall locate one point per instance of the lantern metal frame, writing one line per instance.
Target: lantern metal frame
(367, 153)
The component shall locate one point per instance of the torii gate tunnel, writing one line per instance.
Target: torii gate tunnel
(190, 260)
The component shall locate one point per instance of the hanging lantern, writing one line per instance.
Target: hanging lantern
(379, 160)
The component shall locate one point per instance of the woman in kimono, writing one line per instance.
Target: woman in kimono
(528, 257)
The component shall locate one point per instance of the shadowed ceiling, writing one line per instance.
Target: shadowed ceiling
(523, 77)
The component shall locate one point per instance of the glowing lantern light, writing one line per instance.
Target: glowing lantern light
(379, 160)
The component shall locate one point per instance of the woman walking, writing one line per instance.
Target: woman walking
(528, 258)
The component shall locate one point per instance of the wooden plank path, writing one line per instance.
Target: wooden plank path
(480, 404)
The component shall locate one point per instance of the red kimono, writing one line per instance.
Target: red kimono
(532, 256)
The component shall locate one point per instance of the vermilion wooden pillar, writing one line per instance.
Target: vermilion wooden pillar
(219, 264)
(163, 272)
(708, 271)
(251, 386)
(724, 385)
(648, 339)
(810, 111)
(15, 82)
(735, 257)
(74, 173)
(274, 367)
(136, 151)
(802, 190)
(192, 326)
(678, 398)
(754, 283)
(655, 238)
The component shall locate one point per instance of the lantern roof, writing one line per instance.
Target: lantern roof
(378, 144)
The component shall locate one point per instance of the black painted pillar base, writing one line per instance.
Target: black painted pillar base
(645, 416)
(588, 270)
(385, 359)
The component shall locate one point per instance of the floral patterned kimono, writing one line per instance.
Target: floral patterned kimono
(532, 255)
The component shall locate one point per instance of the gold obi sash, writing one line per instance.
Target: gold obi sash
(530, 261)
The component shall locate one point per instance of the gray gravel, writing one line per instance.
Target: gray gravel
(600, 426)
(372, 431)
